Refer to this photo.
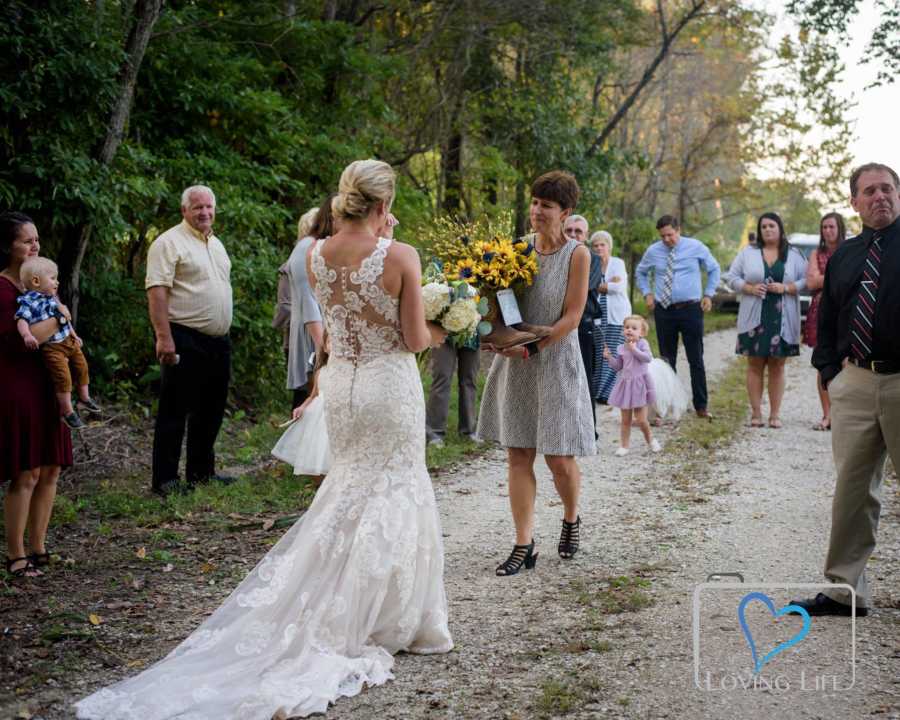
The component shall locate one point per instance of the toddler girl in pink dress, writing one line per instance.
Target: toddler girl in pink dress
(633, 390)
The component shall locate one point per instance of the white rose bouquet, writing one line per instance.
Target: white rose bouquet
(437, 297)
(454, 305)
(462, 318)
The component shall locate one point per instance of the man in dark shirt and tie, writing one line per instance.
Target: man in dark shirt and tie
(858, 358)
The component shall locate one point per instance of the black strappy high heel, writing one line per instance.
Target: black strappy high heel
(23, 571)
(521, 555)
(568, 538)
(40, 560)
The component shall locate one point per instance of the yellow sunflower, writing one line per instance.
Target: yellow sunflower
(465, 270)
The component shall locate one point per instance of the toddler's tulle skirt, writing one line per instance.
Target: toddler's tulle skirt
(305, 443)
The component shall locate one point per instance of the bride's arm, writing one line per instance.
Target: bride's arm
(576, 295)
(418, 334)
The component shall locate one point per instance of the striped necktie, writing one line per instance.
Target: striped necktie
(864, 314)
(665, 295)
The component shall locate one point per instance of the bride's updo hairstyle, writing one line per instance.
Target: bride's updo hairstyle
(364, 184)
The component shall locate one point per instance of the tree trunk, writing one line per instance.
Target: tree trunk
(490, 190)
(136, 247)
(521, 209)
(146, 13)
(451, 160)
(666, 42)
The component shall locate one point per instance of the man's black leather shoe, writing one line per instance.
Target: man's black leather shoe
(821, 604)
(171, 487)
(221, 479)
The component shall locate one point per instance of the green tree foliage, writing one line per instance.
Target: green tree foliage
(267, 101)
(264, 109)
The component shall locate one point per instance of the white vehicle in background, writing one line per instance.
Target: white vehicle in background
(805, 244)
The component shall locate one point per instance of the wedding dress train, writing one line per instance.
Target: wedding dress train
(358, 578)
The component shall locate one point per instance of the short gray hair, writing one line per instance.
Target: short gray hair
(306, 223)
(604, 236)
(576, 218)
(193, 189)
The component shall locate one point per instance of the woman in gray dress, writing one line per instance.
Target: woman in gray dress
(536, 398)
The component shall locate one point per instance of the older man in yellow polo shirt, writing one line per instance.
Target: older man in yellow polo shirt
(189, 293)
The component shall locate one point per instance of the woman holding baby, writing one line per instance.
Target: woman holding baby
(34, 444)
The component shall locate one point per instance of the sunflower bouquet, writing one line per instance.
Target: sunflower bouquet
(483, 256)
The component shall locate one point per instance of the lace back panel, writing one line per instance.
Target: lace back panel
(362, 319)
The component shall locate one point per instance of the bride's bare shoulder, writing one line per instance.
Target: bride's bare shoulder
(403, 253)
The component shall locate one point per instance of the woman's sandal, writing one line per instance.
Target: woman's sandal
(568, 539)
(756, 422)
(823, 424)
(774, 423)
(27, 570)
(40, 560)
(521, 555)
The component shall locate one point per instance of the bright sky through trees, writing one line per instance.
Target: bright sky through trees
(874, 109)
(877, 108)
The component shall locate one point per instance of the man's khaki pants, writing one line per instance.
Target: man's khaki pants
(865, 427)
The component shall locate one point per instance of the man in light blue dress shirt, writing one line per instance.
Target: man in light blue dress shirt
(679, 299)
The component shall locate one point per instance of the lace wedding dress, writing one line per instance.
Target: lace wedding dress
(357, 579)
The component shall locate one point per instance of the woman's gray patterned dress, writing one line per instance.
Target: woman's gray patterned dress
(543, 402)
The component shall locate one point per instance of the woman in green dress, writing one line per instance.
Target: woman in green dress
(768, 276)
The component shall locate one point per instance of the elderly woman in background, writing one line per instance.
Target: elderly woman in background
(282, 317)
(832, 232)
(768, 277)
(34, 444)
(614, 308)
(306, 329)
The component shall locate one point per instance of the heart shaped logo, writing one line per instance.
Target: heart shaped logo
(786, 610)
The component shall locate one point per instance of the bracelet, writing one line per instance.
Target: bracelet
(525, 350)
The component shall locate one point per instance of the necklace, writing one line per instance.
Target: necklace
(547, 254)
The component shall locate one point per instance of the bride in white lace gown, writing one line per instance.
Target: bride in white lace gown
(360, 576)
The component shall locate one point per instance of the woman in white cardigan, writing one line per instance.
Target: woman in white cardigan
(768, 276)
(612, 293)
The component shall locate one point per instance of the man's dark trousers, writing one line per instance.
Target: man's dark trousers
(686, 319)
(586, 330)
(193, 394)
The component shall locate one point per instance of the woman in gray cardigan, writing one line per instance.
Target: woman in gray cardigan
(768, 276)
(306, 327)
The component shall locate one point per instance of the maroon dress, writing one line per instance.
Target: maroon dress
(810, 326)
(31, 432)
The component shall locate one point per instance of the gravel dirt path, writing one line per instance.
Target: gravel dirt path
(608, 634)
